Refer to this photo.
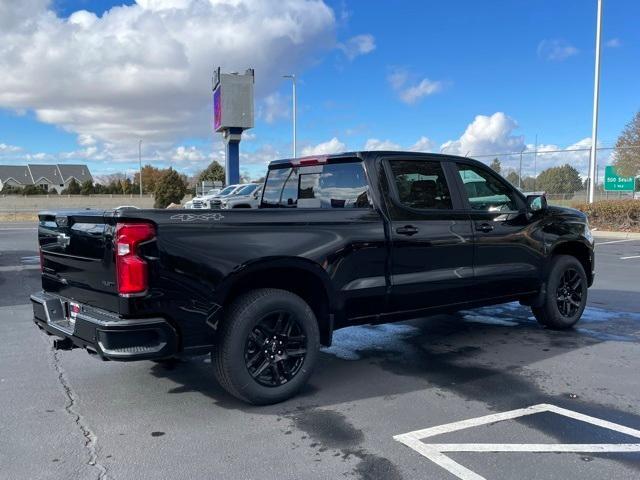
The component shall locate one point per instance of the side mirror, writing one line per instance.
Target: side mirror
(536, 203)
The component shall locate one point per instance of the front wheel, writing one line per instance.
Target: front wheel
(267, 346)
(566, 295)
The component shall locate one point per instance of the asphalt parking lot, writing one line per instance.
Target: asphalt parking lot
(67, 415)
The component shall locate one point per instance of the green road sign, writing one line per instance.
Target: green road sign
(614, 182)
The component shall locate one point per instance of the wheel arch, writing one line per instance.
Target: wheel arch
(303, 277)
(579, 250)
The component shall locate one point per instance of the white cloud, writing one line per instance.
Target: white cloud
(487, 135)
(613, 43)
(9, 149)
(423, 144)
(331, 146)
(85, 139)
(358, 45)
(375, 144)
(411, 93)
(556, 50)
(274, 107)
(144, 70)
(184, 154)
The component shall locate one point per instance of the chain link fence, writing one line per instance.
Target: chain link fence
(523, 168)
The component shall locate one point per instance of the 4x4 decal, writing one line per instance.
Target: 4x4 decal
(190, 217)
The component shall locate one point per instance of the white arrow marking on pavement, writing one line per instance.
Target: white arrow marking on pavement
(434, 452)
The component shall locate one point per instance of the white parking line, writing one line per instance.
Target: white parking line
(434, 451)
(617, 241)
(19, 268)
(632, 256)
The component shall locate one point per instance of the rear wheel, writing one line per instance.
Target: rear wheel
(268, 345)
(566, 295)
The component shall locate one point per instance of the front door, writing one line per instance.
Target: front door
(508, 258)
(432, 248)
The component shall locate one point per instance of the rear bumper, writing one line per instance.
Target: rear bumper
(111, 337)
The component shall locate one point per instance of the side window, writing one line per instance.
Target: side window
(281, 188)
(335, 185)
(421, 184)
(485, 191)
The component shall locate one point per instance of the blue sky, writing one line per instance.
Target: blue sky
(384, 73)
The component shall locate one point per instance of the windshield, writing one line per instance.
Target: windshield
(247, 190)
(228, 190)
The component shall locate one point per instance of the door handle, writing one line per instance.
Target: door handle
(484, 227)
(407, 230)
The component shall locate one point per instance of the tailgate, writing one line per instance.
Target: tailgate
(77, 255)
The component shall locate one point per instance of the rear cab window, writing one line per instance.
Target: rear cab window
(329, 185)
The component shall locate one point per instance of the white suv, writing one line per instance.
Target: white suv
(247, 197)
(210, 200)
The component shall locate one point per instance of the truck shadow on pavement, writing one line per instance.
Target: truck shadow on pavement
(485, 355)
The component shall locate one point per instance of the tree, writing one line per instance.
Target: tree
(627, 160)
(171, 188)
(496, 166)
(564, 179)
(87, 188)
(150, 177)
(213, 173)
(127, 186)
(72, 189)
(512, 177)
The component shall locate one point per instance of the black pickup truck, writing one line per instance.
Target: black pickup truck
(364, 237)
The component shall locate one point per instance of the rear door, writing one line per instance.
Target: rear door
(508, 259)
(348, 240)
(432, 248)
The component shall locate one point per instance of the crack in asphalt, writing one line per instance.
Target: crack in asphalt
(90, 438)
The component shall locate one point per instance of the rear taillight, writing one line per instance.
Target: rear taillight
(133, 278)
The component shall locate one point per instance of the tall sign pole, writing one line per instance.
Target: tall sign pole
(593, 170)
(295, 111)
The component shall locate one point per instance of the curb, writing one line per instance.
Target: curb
(624, 235)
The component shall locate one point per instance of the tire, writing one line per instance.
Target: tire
(291, 347)
(566, 295)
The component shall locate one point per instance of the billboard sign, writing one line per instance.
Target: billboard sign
(233, 100)
(217, 108)
(616, 183)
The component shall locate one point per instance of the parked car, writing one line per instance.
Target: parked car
(206, 201)
(200, 198)
(366, 237)
(247, 197)
(216, 202)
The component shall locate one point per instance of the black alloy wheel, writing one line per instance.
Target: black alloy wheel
(569, 293)
(275, 349)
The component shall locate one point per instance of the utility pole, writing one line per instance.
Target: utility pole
(293, 82)
(593, 170)
(140, 164)
(520, 174)
(535, 165)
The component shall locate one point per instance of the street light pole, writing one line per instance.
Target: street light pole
(520, 173)
(293, 82)
(594, 125)
(140, 164)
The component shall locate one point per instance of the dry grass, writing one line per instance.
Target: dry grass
(18, 217)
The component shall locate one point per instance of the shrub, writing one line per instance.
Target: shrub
(620, 215)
